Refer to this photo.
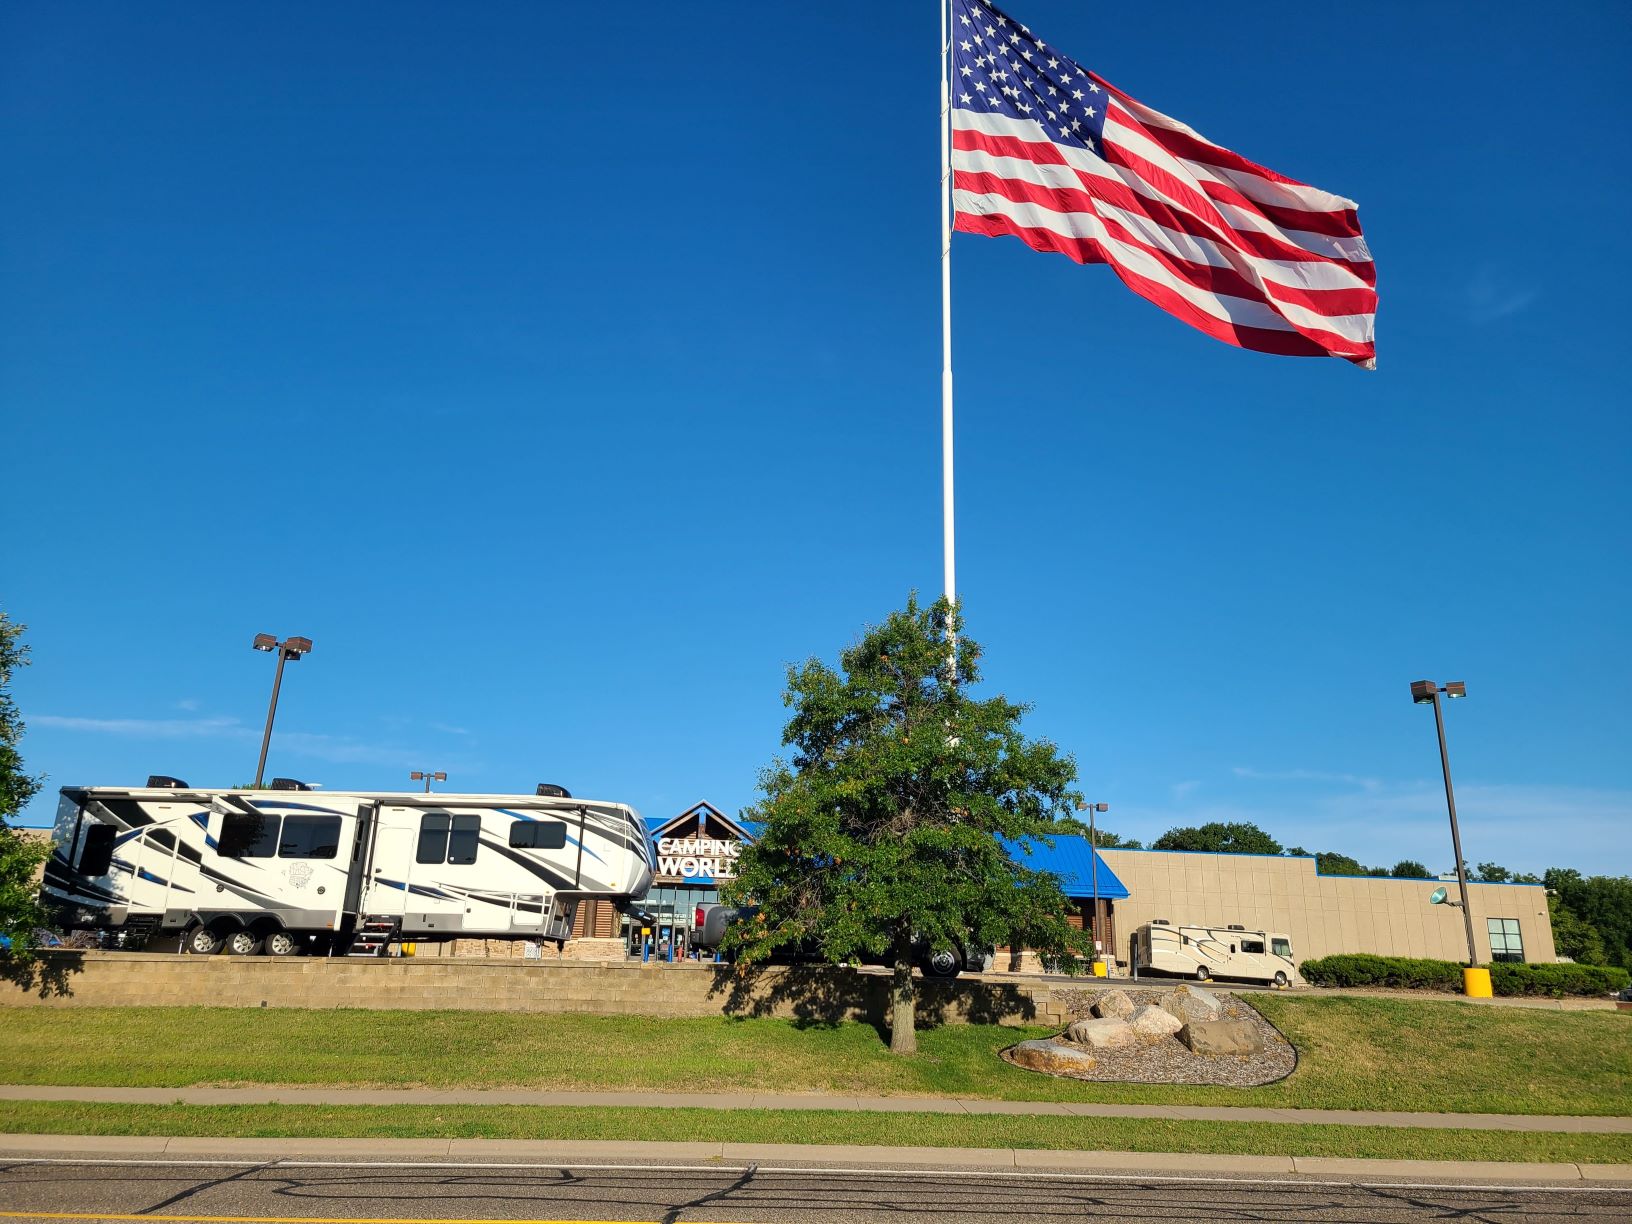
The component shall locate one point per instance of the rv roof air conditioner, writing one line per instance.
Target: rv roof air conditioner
(1235, 926)
(289, 784)
(549, 790)
(1160, 922)
(165, 782)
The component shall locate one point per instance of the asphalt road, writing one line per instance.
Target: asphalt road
(348, 1192)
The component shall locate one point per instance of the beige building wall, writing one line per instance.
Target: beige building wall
(1321, 914)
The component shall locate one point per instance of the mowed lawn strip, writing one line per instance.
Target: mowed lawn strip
(1355, 1053)
(814, 1126)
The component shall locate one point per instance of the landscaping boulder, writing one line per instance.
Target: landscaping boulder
(1113, 1005)
(1221, 1037)
(1152, 1022)
(1192, 1003)
(1050, 1056)
(1103, 1034)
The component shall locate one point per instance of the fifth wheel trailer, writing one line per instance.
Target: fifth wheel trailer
(284, 870)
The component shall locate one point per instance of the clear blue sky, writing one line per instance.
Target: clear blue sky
(567, 372)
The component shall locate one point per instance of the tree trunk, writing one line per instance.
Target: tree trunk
(903, 1002)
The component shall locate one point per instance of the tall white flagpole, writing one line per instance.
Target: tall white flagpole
(950, 559)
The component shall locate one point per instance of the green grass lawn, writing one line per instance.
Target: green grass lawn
(1355, 1053)
(809, 1126)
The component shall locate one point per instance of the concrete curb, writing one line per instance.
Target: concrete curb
(1538, 1124)
(568, 1152)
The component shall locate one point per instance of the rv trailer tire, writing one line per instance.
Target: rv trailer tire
(1281, 979)
(280, 943)
(243, 943)
(201, 941)
(1202, 974)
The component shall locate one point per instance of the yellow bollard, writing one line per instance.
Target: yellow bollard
(1099, 968)
(1476, 984)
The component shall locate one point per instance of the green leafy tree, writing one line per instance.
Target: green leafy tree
(1332, 863)
(1297, 852)
(1106, 840)
(20, 857)
(1602, 902)
(1492, 873)
(894, 824)
(1575, 937)
(1410, 869)
(1217, 838)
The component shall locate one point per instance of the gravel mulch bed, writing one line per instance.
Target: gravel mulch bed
(1165, 1061)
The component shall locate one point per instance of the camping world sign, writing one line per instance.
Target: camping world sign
(689, 857)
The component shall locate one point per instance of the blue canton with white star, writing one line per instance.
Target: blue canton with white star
(1000, 67)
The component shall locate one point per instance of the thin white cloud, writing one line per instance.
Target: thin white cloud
(337, 749)
(1489, 297)
(1522, 827)
(149, 728)
(1306, 775)
(448, 729)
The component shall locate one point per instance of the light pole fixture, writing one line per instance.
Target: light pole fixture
(1093, 861)
(427, 777)
(1426, 692)
(289, 648)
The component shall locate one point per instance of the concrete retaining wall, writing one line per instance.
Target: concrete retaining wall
(809, 992)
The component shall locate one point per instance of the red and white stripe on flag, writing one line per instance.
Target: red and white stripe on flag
(1238, 251)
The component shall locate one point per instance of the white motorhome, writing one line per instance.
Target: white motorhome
(1203, 952)
(283, 871)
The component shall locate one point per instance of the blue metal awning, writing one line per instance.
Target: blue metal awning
(1072, 859)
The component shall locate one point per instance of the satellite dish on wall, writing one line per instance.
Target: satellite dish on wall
(1438, 896)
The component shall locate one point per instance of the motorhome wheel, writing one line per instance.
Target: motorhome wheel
(1202, 974)
(243, 943)
(281, 943)
(203, 942)
(1280, 980)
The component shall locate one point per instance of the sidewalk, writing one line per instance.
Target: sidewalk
(568, 1153)
(760, 1100)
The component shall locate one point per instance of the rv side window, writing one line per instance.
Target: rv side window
(309, 837)
(462, 840)
(1252, 945)
(97, 856)
(433, 838)
(1281, 947)
(249, 835)
(538, 835)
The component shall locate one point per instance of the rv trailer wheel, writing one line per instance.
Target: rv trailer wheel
(243, 943)
(1201, 973)
(1280, 980)
(201, 941)
(281, 943)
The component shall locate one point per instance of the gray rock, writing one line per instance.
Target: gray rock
(1221, 1037)
(1113, 1005)
(1106, 1033)
(1050, 1056)
(1151, 1022)
(1187, 1003)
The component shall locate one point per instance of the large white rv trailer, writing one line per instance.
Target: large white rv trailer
(281, 871)
(1203, 952)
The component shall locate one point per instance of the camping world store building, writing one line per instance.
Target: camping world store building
(696, 852)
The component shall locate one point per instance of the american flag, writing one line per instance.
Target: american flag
(1046, 151)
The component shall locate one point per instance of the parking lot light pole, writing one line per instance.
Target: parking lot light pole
(428, 777)
(1093, 863)
(1426, 692)
(289, 648)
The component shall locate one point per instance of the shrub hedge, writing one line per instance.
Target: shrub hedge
(1407, 973)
